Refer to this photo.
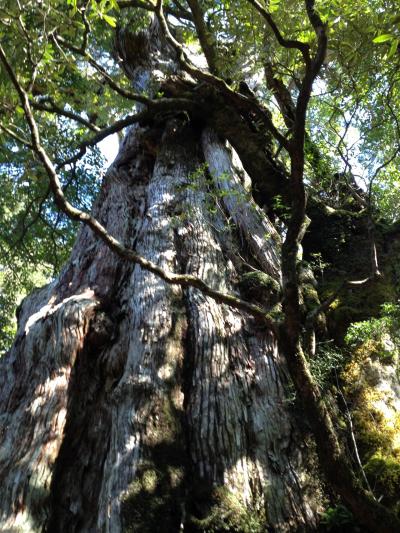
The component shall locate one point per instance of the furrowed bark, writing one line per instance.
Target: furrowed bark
(152, 385)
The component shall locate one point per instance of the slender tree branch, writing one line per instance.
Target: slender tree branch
(86, 24)
(352, 436)
(286, 43)
(32, 222)
(16, 137)
(158, 107)
(102, 134)
(159, 104)
(54, 108)
(107, 78)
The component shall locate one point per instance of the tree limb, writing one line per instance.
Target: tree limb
(205, 37)
(286, 43)
(16, 137)
(54, 108)
(232, 96)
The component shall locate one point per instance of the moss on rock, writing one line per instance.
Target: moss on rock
(371, 385)
(259, 286)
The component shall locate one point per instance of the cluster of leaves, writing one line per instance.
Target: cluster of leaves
(385, 328)
(36, 239)
(327, 364)
(338, 519)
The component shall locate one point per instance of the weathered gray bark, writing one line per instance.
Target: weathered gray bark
(127, 404)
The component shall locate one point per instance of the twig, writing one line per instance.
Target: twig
(54, 108)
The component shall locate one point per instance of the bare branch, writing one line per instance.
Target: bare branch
(16, 137)
(102, 134)
(157, 107)
(117, 88)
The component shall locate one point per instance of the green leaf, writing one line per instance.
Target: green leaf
(274, 5)
(114, 5)
(393, 48)
(383, 38)
(112, 21)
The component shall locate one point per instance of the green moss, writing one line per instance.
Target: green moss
(338, 519)
(228, 513)
(310, 296)
(370, 433)
(376, 430)
(384, 474)
(153, 501)
(355, 305)
(259, 286)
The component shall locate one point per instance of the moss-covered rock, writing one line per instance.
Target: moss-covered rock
(259, 286)
(371, 385)
(354, 305)
(384, 474)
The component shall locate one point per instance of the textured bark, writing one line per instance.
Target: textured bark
(127, 403)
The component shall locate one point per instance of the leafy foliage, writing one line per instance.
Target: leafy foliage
(383, 330)
(327, 364)
(339, 519)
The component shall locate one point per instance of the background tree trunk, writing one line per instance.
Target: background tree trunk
(131, 405)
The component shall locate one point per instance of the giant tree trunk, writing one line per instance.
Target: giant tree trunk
(130, 405)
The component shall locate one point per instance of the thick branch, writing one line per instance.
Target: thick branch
(282, 95)
(158, 106)
(102, 134)
(235, 98)
(205, 37)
